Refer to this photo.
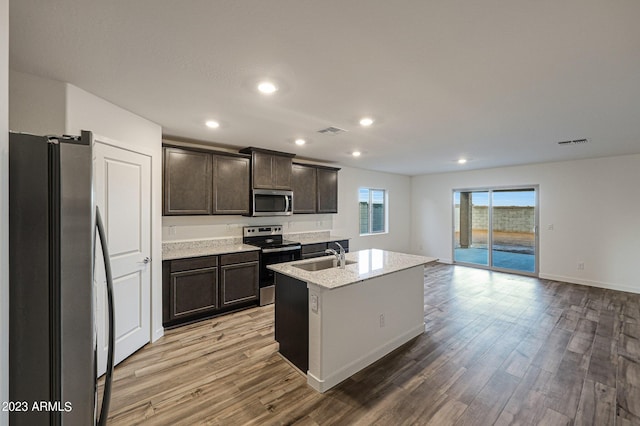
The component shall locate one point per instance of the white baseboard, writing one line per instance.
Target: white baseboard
(591, 283)
(323, 385)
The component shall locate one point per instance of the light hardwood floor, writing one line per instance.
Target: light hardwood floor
(498, 349)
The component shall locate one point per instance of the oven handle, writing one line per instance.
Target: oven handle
(279, 249)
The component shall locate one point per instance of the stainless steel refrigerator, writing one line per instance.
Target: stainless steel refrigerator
(52, 337)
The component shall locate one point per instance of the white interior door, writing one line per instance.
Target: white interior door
(123, 195)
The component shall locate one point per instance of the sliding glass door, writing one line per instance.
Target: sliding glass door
(496, 228)
(472, 225)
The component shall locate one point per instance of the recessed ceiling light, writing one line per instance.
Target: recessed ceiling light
(356, 153)
(300, 142)
(462, 161)
(267, 87)
(366, 121)
(212, 124)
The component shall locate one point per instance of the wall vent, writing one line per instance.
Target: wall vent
(331, 130)
(573, 142)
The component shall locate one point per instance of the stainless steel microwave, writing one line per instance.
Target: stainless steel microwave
(269, 202)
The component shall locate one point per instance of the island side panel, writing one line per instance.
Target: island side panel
(347, 334)
(292, 320)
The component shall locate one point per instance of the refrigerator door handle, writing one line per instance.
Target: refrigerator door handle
(106, 396)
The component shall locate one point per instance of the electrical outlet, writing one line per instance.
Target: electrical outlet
(550, 227)
(172, 230)
(381, 320)
(314, 303)
(580, 266)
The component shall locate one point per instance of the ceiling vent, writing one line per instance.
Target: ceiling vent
(573, 142)
(331, 131)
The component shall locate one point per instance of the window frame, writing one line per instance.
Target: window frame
(385, 206)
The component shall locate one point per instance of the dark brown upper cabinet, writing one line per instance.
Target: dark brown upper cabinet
(269, 169)
(303, 183)
(205, 182)
(315, 188)
(230, 185)
(199, 181)
(187, 182)
(327, 190)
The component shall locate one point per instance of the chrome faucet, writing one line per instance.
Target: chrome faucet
(339, 256)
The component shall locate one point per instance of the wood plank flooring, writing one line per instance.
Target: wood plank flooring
(498, 349)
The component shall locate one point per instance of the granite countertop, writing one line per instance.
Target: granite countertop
(210, 247)
(368, 264)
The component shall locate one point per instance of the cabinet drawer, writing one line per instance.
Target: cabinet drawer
(249, 256)
(314, 248)
(194, 263)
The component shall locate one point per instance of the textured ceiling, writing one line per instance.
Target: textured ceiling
(498, 82)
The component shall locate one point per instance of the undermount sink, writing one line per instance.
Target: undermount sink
(324, 263)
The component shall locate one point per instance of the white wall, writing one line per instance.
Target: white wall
(85, 111)
(4, 207)
(37, 104)
(345, 223)
(69, 109)
(593, 206)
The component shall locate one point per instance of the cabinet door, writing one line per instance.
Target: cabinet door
(281, 167)
(187, 182)
(193, 292)
(262, 170)
(230, 185)
(303, 183)
(239, 283)
(327, 190)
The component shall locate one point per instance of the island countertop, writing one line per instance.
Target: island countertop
(368, 264)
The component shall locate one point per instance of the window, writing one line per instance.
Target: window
(373, 211)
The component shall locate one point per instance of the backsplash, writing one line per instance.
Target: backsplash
(303, 237)
(186, 228)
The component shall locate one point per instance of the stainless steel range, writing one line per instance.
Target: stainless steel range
(274, 249)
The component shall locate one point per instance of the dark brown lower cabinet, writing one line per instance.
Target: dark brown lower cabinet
(239, 278)
(343, 243)
(201, 287)
(318, 249)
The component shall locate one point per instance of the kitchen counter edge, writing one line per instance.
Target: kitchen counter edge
(333, 278)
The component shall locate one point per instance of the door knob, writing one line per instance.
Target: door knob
(146, 260)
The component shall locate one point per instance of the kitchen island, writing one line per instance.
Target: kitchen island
(331, 323)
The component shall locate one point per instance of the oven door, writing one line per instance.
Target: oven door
(270, 256)
(272, 203)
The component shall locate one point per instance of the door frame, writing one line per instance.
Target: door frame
(155, 311)
(490, 190)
